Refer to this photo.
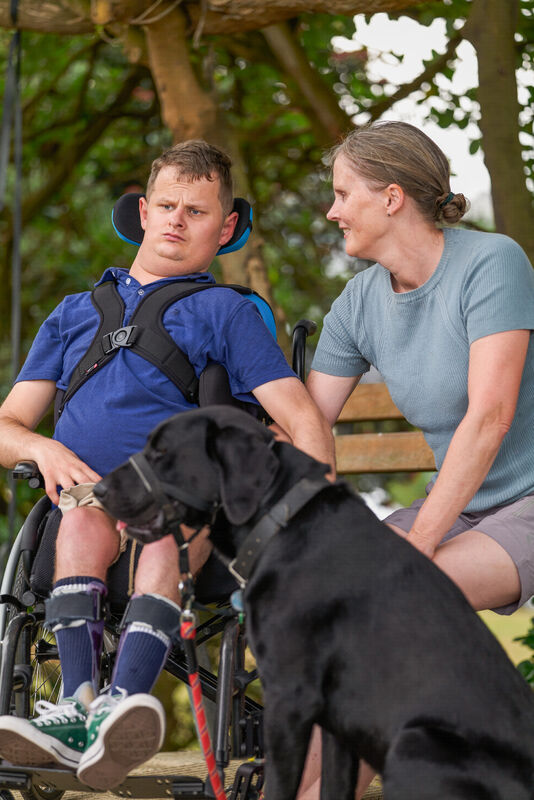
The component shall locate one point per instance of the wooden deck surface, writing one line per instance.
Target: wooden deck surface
(185, 763)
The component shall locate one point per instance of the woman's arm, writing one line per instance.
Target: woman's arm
(495, 369)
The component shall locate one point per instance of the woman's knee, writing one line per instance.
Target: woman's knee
(481, 568)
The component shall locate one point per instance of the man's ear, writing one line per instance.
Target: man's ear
(143, 206)
(247, 466)
(228, 228)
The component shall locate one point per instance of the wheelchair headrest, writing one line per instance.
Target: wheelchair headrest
(127, 223)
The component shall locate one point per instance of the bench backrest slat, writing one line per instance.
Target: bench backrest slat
(369, 401)
(405, 451)
(383, 452)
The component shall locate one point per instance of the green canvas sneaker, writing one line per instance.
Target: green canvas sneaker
(122, 733)
(56, 736)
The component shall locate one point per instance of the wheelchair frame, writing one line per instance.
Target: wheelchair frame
(237, 727)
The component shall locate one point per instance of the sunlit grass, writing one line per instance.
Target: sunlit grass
(507, 628)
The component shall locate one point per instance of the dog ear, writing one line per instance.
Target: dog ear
(247, 466)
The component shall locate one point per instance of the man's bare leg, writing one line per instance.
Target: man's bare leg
(158, 569)
(87, 543)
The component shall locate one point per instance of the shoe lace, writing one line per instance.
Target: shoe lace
(49, 713)
(105, 702)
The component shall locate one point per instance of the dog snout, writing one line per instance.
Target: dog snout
(122, 493)
(100, 490)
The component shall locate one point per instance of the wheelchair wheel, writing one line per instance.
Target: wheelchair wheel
(37, 671)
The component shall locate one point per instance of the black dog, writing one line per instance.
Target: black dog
(352, 628)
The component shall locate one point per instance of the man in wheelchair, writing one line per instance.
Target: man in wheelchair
(109, 408)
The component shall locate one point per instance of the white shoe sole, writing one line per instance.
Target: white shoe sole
(129, 736)
(22, 744)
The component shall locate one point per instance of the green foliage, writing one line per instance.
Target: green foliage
(407, 488)
(526, 667)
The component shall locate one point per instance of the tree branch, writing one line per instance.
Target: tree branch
(45, 89)
(429, 73)
(320, 99)
(223, 16)
(53, 16)
(69, 155)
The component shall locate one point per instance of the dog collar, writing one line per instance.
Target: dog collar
(267, 526)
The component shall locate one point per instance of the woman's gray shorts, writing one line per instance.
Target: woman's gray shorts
(511, 526)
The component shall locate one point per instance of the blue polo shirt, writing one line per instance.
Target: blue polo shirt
(111, 415)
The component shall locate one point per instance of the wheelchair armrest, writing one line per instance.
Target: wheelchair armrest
(29, 539)
(28, 471)
(301, 331)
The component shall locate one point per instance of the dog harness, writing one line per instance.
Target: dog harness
(146, 335)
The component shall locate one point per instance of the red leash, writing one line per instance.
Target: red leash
(188, 632)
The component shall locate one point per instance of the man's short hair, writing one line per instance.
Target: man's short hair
(194, 160)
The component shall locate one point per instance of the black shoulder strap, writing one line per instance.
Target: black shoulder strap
(153, 342)
(110, 307)
(145, 335)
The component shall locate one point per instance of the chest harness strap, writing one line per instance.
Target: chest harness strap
(145, 335)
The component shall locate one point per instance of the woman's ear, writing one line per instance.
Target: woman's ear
(394, 198)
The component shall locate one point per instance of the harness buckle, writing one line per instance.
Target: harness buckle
(122, 337)
(235, 574)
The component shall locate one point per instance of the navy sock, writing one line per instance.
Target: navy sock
(141, 657)
(80, 646)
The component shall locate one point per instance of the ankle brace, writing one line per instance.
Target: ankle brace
(73, 604)
(158, 613)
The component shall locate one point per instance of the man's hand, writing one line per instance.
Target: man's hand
(298, 418)
(59, 466)
(21, 412)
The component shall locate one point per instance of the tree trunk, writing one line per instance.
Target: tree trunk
(187, 111)
(258, 280)
(491, 28)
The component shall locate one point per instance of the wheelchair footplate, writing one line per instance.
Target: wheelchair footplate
(40, 781)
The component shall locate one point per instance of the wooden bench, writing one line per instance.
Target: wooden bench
(400, 451)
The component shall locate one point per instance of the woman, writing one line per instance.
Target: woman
(446, 316)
